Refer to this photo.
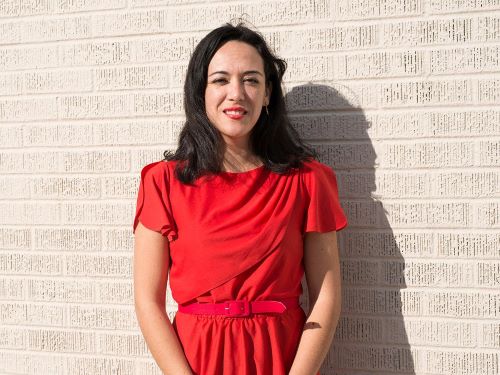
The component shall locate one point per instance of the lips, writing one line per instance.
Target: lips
(235, 111)
(234, 115)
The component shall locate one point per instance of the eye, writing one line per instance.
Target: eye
(253, 80)
(218, 80)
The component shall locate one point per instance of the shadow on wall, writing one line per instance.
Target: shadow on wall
(371, 336)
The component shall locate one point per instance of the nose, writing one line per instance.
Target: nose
(236, 90)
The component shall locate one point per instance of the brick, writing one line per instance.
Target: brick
(11, 84)
(102, 317)
(429, 32)
(11, 136)
(31, 314)
(9, 8)
(379, 64)
(125, 344)
(58, 290)
(131, 77)
(465, 184)
(430, 332)
(386, 244)
(95, 161)
(118, 105)
(130, 23)
(12, 338)
(12, 289)
(467, 245)
(98, 265)
(100, 365)
(27, 162)
(40, 29)
(15, 187)
(88, 5)
(29, 57)
(418, 93)
(488, 274)
(490, 335)
(95, 213)
(333, 126)
(29, 213)
(464, 60)
(164, 48)
(489, 152)
(382, 302)
(360, 272)
(141, 158)
(359, 9)
(15, 238)
(96, 53)
(488, 91)
(66, 239)
(448, 6)
(457, 304)
(435, 184)
(402, 184)
(151, 3)
(30, 264)
(270, 13)
(384, 358)
(62, 341)
(120, 187)
(427, 215)
(427, 273)
(42, 108)
(118, 240)
(487, 215)
(58, 81)
(461, 362)
(359, 329)
(32, 363)
(412, 125)
(64, 188)
(426, 154)
(58, 134)
(310, 69)
(114, 292)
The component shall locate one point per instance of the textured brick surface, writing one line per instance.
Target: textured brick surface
(400, 97)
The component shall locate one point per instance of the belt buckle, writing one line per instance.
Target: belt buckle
(237, 308)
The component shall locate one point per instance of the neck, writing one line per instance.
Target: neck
(240, 159)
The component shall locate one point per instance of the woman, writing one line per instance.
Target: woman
(238, 213)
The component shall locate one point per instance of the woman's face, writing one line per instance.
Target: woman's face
(236, 79)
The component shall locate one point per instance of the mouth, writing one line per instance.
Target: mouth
(235, 114)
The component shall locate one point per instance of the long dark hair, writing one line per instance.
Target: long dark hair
(201, 147)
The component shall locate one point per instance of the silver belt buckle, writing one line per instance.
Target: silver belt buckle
(237, 308)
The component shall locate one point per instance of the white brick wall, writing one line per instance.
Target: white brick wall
(401, 97)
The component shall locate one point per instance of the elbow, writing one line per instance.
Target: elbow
(327, 305)
(145, 306)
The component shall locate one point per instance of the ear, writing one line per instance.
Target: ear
(269, 89)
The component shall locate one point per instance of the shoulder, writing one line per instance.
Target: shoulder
(158, 169)
(313, 168)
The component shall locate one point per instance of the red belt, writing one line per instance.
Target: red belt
(240, 307)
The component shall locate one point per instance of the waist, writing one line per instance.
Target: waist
(241, 308)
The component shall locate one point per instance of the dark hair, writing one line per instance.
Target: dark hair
(201, 146)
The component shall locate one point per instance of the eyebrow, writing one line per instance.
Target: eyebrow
(247, 72)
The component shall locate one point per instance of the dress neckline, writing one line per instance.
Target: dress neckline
(239, 173)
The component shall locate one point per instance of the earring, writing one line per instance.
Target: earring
(267, 111)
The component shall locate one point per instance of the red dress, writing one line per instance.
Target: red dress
(238, 236)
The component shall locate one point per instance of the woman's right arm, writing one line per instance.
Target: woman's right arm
(151, 263)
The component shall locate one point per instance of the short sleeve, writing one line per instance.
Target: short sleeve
(153, 207)
(323, 211)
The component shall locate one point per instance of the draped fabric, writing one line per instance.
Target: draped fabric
(238, 236)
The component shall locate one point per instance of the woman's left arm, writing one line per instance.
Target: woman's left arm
(322, 270)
